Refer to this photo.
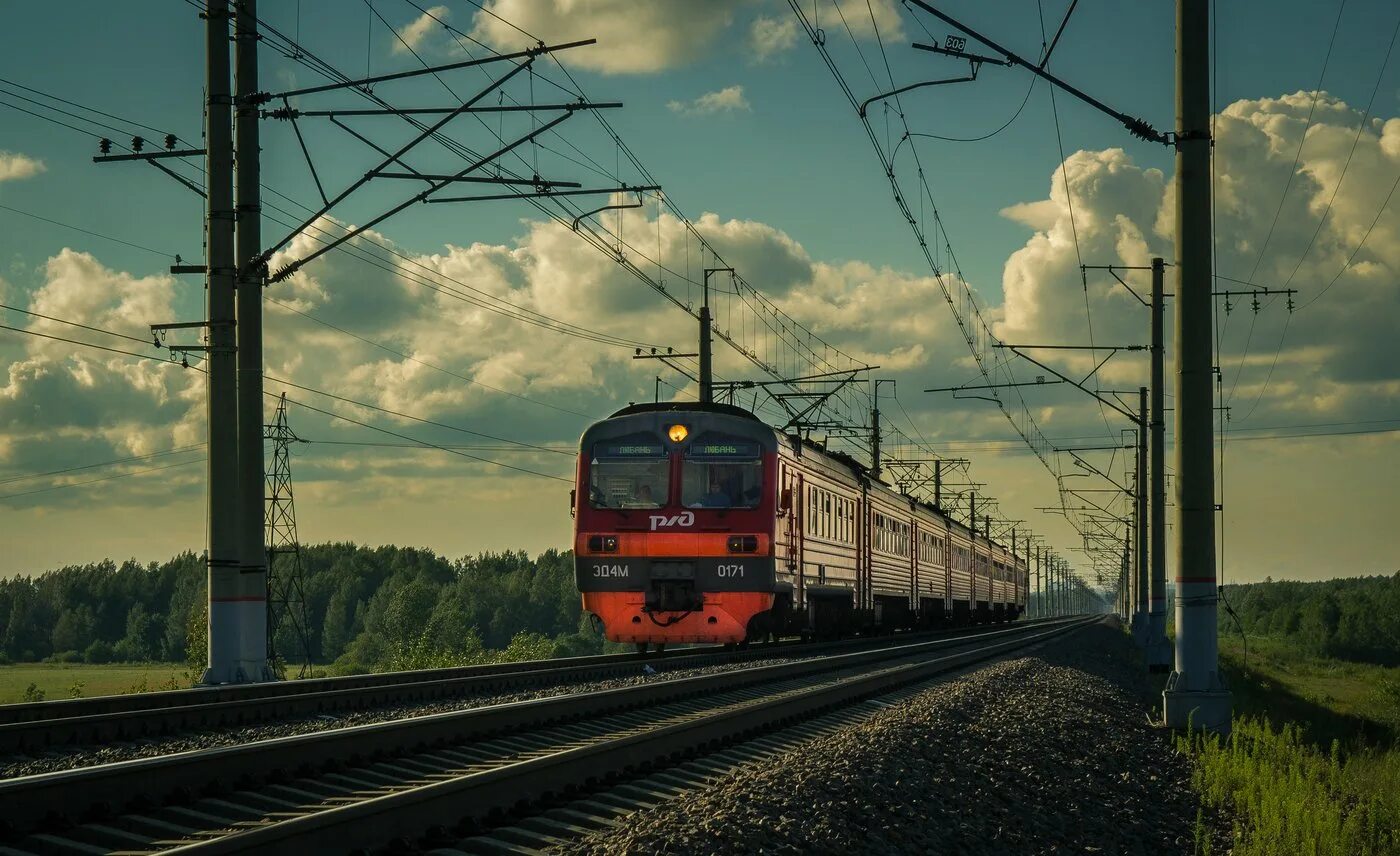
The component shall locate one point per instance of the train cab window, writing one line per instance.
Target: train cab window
(629, 472)
(722, 472)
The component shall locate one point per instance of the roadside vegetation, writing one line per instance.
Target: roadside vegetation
(367, 609)
(1313, 764)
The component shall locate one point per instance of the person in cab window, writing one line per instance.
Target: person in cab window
(716, 496)
(644, 497)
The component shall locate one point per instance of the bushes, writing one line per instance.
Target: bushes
(98, 652)
(1288, 797)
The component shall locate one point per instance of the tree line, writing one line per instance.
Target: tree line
(366, 608)
(1356, 618)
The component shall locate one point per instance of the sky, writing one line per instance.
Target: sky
(501, 327)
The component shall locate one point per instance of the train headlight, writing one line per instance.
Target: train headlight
(743, 543)
(602, 543)
(677, 433)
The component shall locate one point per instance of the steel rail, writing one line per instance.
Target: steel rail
(406, 815)
(40, 726)
(53, 800)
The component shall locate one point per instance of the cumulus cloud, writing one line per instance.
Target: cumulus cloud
(727, 100)
(413, 34)
(1330, 358)
(867, 17)
(15, 166)
(632, 37)
(640, 38)
(62, 405)
(769, 37)
(464, 357)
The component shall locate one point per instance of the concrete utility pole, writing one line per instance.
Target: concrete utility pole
(1194, 693)
(707, 375)
(707, 383)
(875, 467)
(1140, 604)
(1039, 596)
(1158, 650)
(229, 612)
(252, 573)
(1125, 591)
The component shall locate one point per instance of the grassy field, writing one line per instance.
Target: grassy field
(60, 680)
(1312, 765)
(1355, 704)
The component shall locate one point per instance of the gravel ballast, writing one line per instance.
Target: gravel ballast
(70, 757)
(1046, 753)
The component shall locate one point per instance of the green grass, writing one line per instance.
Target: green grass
(1288, 797)
(1312, 766)
(1354, 704)
(59, 680)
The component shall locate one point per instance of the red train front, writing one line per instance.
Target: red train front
(674, 514)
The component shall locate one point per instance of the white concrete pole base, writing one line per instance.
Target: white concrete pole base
(237, 640)
(1203, 709)
(1159, 654)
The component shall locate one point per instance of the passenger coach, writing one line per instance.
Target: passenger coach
(701, 523)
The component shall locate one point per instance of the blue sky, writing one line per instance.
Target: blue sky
(786, 159)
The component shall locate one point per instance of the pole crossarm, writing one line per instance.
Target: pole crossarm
(154, 158)
(824, 377)
(544, 194)
(1113, 271)
(289, 113)
(392, 158)
(292, 267)
(799, 416)
(149, 156)
(1137, 127)
(957, 389)
(528, 55)
(541, 183)
(1119, 408)
(666, 360)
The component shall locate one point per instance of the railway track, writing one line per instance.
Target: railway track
(431, 780)
(44, 726)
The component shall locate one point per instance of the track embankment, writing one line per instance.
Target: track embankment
(1049, 752)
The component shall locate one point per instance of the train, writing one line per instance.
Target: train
(701, 523)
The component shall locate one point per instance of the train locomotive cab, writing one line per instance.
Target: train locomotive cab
(674, 513)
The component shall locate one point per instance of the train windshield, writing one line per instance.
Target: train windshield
(722, 472)
(629, 472)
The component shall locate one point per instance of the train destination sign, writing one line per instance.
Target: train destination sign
(631, 450)
(724, 450)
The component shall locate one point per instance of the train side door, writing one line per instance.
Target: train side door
(913, 563)
(794, 510)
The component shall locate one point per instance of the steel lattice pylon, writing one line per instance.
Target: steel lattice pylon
(286, 601)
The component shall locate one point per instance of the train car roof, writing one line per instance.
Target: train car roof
(685, 407)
